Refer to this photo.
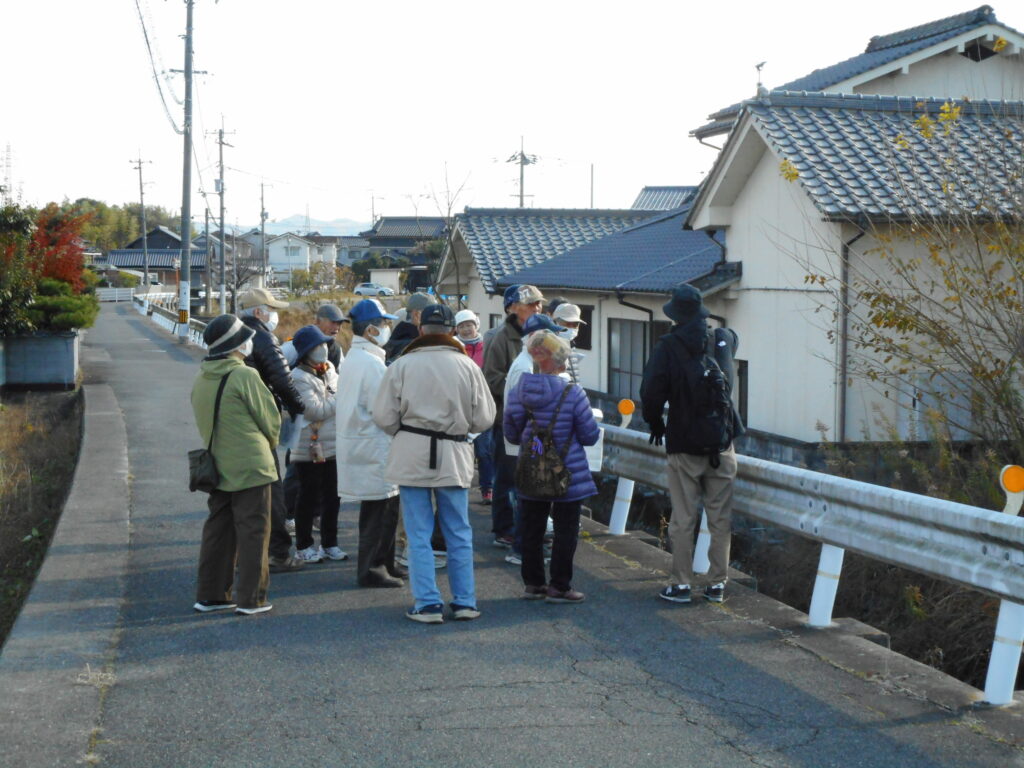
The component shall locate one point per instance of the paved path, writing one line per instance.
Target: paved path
(335, 676)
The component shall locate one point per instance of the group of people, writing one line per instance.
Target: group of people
(402, 423)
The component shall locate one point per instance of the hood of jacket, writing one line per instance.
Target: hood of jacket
(693, 334)
(214, 369)
(539, 389)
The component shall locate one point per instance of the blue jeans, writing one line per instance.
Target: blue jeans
(483, 447)
(453, 515)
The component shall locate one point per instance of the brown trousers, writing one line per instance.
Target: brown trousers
(689, 477)
(237, 529)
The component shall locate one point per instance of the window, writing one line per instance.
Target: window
(976, 51)
(627, 353)
(495, 320)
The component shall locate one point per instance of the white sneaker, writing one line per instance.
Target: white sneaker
(309, 555)
(289, 525)
(333, 553)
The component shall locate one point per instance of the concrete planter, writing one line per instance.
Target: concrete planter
(42, 360)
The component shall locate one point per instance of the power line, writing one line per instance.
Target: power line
(156, 76)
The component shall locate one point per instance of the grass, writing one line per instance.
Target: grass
(40, 434)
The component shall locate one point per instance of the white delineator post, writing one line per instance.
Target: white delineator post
(826, 584)
(624, 490)
(701, 561)
(1006, 647)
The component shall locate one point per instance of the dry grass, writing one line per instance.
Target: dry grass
(40, 433)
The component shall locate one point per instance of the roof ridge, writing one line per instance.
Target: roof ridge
(980, 15)
(882, 102)
(560, 211)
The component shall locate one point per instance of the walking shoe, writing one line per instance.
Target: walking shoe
(514, 558)
(428, 614)
(289, 525)
(333, 553)
(398, 572)
(534, 593)
(285, 564)
(464, 612)
(568, 596)
(208, 606)
(676, 593)
(251, 611)
(381, 580)
(503, 542)
(715, 593)
(486, 497)
(309, 555)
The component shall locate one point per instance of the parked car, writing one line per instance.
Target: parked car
(373, 289)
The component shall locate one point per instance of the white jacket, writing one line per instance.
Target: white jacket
(362, 446)
(434, 385)
(318, 396)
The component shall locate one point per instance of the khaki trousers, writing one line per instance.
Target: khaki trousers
(237, 529)
(689, 477)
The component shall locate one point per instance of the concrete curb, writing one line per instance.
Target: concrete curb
(848, 645)
(53, 669)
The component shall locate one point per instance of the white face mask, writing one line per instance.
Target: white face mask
(318, 354)
(569, 334)
(383, 334)
(246, 348)
(271, 321)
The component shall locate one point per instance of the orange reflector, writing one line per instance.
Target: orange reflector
(1012, 478)
(182, 316)
(626, 407)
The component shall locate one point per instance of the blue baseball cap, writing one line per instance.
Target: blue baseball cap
(368, 310)
(511, 296)
(306, 338)
(540, 322)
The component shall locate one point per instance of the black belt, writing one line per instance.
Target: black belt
(434, 436)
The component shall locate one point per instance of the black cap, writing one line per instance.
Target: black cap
(438, 314)
(330, 313)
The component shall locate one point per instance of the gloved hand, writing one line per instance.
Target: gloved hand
(656, 438)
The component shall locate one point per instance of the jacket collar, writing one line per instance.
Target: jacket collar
(434, 340)
(360, 342)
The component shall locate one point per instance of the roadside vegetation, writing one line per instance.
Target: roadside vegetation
(40, 434)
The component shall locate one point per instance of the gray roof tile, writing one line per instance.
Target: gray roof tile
(664, 198)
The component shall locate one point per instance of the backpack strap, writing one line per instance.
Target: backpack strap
(216, 407)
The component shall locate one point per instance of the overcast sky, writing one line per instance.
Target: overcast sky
(332, 103)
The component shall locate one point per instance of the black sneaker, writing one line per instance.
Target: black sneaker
(209, 606)
(464, 612)
(715, 593)
(428, 614)
(676, 593)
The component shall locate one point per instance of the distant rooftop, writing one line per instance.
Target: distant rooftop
(416, 227)
(664, 198)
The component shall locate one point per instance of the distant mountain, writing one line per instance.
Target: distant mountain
(297, 224)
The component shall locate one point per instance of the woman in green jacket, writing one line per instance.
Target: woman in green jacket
(244, 438)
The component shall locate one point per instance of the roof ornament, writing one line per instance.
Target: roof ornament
(762, 92)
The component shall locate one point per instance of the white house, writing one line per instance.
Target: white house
(287, 253)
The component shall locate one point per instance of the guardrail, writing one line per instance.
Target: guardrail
(974, 547)
(168, 319)
(115, 294)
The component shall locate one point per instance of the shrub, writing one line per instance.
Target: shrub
(56, 308)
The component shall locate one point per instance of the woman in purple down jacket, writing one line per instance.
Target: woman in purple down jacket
(574, 428)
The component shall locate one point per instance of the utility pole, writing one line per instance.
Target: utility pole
(220, 190)
(208, 303)
(142, 215)
(523, 160)
(591, 185)
(186, 188)
(263, 242)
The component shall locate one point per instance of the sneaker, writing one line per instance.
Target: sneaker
(514, 558)
(285, 564)
(382, 580)
(289, 525)
(534, 593)
(503, 542)
(251, 611)
(333, 553)
(209, 606)
(309, 555)
(568, 596)
(676, 593)
(316, 523)
(715, 593)
(486, 497)
(464, 612)
(428, 614)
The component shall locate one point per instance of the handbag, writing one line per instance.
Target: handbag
(202, 469)
(540, 470)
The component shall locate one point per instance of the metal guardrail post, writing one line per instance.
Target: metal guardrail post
(1006, 647)
(826, 584)
(624, 490)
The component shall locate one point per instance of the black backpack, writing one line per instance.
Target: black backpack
(540, 471)
(710, 422)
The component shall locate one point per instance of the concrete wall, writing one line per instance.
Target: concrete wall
(41, 361)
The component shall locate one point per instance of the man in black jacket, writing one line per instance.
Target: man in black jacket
(408, 329)
(257, 308)
(669, 378)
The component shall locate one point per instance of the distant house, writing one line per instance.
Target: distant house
(620, 282)
(324, 248)
(164, 263)
(287, 253)
(352, 248)
(399, 234)
(158, 238)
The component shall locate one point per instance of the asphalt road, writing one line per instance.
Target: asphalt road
(335, 675)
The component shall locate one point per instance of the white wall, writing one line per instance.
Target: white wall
(954, 76)
(282, 260)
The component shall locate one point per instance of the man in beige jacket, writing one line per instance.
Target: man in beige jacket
(430, 399)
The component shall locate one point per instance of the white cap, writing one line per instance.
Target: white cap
(464, 315)
(568, 312)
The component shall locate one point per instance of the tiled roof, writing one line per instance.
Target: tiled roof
(353, 241)
(866, 157)
(418, 227)
(504, 240)
(881, 50)
(652, 256)
(159, 258)
(664, 198)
